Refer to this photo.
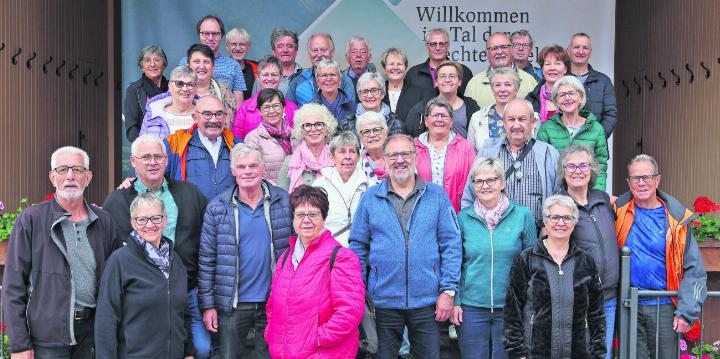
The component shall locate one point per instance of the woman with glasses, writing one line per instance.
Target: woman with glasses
(314, 125)
(401, 96)
(554, 300)
(595, 229)
(443, 156)
(554, 63)
(571, 125)
(317, 297)
(370, 90)
(373, 131)
(152, 61)
(487, 123)
(273, 135)
(143, 292)
(329, 94)
(172, 111)
(494, 232)
(249, 114)
(202, 60)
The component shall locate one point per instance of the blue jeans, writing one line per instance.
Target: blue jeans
(233, 329)
(481, 333)
(201, 337)
(610, 309)
(424, 332)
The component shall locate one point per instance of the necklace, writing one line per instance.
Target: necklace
(557, 258)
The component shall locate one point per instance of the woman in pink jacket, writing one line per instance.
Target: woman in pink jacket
(317, 295)
(248, 115)
(273, 135)
(443, 156)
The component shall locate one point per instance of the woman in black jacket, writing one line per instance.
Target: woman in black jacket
(152, 61)
(141, 306)
(401, 96)
(554, 300)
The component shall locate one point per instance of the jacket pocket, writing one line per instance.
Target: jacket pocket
(50, 290)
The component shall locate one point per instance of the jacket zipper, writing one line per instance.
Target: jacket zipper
(600, 243)
(492, 271)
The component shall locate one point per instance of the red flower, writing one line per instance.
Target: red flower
(693, 334)
(703, 205)
(696, 223)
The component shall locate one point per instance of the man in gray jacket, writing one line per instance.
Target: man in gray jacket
(530, 164)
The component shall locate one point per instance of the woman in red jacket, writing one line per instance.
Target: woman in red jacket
(317, 295)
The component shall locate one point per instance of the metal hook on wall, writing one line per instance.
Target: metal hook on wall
(2, 46)
(660, 75)
(71, 74)
(692, 75)
(677, 78)
(32, 57)
(85, 76)
(639, 87)
(49, 60)
(57, 69)
(627, 90)
(650, 87)
(17, 53)
(707, 70)
(97, 78)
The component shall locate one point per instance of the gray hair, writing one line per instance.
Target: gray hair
(369, 117)
(392, 51)
(487, 164)
(145, 140)
(269, 60)
(183, 71)
(569, 151)
(528, 104)
(147, 199)
(435, 31)
(345, 138)
(71, 150)
(505, 71)
(399, 136)
(365, 79)
(522, 33)
(560, 200)
(313, 109)
(579, 34)
(282, 32)
(357, 38)
(438, 102)
(327, 64)
(326, 36)
(645, 158)
(240, 33)
(150, 50)
(243, 149)
(573, 82)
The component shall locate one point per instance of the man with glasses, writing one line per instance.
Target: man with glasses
(211, 30)
(437, 43)
(663, 256)
(245, 229)
(522, 48)
(185, 206)
(412, 284)
(499, 54)
(201, 154)
(529, 164)
(57, 252)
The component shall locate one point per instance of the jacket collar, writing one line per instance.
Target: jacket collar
(384, 186)
(673, 206)
(60, 214)
(594, 197)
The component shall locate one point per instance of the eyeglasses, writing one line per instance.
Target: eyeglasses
(208, 115)
(440, 116)
(317, 126)
(328, 76)
(273, 75)
(499, 47)
(571, 167)
(572, 93)
(311, 215)
(180, 84)
(146, 159)
(275, 107)
(143, 221)
(645, 178)
(396, 155)
(489, 181)
(63, 170)
(520, 46)
(372, 131)
(210, 34)
(373, 91)
(556, 219)
(238, 44)
(451, 77)
(434, 44)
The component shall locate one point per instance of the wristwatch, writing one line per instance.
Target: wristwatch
(449, 292)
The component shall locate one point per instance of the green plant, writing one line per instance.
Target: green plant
(8, 218)
(707, 224)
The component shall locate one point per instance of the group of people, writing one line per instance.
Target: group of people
(475, 204)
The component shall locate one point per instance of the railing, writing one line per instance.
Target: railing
(628, 312)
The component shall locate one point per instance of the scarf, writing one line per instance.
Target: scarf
(282, 135)
(492, 215)
(159, 256)
(384, 110)
(545, 95)
(303, 160)
(151, 90)
(372, 170)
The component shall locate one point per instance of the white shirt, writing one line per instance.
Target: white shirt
(213, 148)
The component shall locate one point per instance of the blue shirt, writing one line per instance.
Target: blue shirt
(227, 71)
(254, 254)
(646, 241)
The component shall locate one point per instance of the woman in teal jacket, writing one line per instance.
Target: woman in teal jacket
(494, 231)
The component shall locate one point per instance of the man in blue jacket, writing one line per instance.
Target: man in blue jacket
(410, 253)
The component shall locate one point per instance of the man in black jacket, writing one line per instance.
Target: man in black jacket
(437, 42)
(58, 250)
(185, 205)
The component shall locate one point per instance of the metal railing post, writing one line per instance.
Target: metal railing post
(624, 306)
(631, 345)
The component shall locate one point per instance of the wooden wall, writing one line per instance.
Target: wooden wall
(71, 104)
(678, 124)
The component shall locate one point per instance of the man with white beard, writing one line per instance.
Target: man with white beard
(56, 256)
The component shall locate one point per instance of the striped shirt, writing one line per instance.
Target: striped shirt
(524, 185)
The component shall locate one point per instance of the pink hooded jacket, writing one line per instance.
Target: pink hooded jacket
(458, 161)
(311, 311)
(248, 116)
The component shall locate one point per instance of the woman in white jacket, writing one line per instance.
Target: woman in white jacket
(344, 183)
